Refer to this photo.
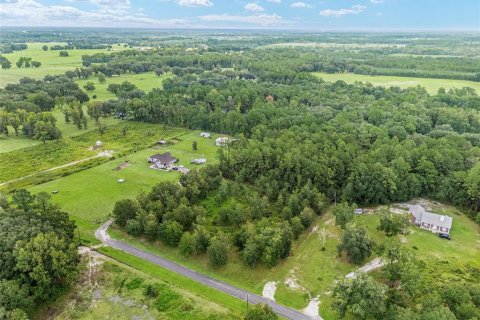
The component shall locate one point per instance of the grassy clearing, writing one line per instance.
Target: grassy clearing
(214, 296)
(144, 81)
(432, 85)
(12, 142)
(119, 293)
(32, 160)
(89, 195)
(316, 270)
(52, 63)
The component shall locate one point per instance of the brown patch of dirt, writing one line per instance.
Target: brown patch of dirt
(123, 165)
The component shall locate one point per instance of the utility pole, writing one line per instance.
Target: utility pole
(335, 196)
(247, 302)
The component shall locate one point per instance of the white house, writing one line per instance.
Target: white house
(430, 221)
(205, 134)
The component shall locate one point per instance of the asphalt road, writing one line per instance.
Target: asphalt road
(289, 313)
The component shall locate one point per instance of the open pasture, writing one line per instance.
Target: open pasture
(51, 61)
(90, 195)
(144, 81)
(432, 85)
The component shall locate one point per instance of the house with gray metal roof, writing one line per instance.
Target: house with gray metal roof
(162, 161)
(430, 221)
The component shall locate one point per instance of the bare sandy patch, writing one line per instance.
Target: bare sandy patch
(312, 309)
(269, 290)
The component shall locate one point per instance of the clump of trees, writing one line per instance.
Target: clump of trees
(62, 53)
(5, 63)
(393, 223)
(25, 107)
(27, 62)
(176, 215)
(38, 254)
(356, 243)
(260, 312)
(402, 290)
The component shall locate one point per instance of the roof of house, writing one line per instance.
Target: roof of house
(423, 216)
(417, 211)
(436, 219)
(164, 158)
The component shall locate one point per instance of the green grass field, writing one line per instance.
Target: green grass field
(27, 161)
(144, 81)
(52, 63)
(89, 195)
(12, 142)
(432, 85)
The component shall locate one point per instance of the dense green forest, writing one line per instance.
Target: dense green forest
(38, 253)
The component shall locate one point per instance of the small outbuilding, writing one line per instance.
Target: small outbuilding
(98, 144)
(205, 134)
(358, 211)
(199, 161)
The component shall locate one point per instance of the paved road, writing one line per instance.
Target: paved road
(289, 313)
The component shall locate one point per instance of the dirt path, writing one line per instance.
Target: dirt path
(100, 155)
(372, 265)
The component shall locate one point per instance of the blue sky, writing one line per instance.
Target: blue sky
(378, 15)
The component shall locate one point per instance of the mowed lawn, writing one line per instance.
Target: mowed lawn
(144, 81)
(51, 61)
(432, 85)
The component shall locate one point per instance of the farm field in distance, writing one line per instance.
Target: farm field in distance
(52, 63)
(144, 81)
(431, 84)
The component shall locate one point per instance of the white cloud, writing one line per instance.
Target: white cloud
(356, 9)
(33, 13)
(376, 1)
(379, 14)
(194, 3)
(252, 6)
(259, 19)
(275, 1)
(300, 5)
(116, 7)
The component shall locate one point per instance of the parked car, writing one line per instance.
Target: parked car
(445, 236)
